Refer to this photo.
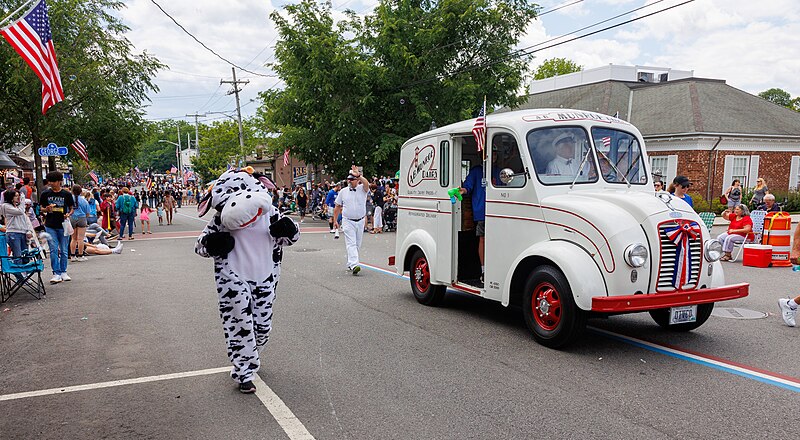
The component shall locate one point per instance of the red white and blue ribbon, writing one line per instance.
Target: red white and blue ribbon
(681, 234)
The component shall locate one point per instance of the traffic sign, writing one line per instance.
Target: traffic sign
(53, 150)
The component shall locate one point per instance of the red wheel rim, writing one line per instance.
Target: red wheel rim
(422, 275)
(546, 306)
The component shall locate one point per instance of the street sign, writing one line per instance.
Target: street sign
(299, 171)
(299, 180)
(53, 150)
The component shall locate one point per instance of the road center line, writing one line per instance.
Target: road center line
(764, 376)
(291, 425)
(113, 383)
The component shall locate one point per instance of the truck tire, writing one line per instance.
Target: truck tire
(420, 275)
(550, 310)
(661, 317)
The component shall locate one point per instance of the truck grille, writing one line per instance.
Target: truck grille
(667, 264)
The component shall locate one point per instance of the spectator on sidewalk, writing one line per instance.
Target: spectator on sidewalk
(788, 306)
(679, 188)
(734, 194)
(57, 204)
(741, 225)
(330, 202)
(760, 192)
(769, 204)
(126, 206)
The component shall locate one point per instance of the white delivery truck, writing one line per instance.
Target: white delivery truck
(572, 225)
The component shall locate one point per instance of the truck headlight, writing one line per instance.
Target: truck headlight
(713, 250)
(636, 255)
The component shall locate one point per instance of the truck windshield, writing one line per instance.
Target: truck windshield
(619, 156)
(562, 156)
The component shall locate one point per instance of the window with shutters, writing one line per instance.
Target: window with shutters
(658, 165)
(739, 169)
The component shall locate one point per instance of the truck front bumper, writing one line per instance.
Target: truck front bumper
(653, 301)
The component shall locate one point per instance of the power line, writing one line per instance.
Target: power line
(204, 45)
(558, 7)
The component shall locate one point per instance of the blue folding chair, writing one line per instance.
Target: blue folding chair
(29, 267)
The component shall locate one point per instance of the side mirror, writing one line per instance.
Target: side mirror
(506, 175)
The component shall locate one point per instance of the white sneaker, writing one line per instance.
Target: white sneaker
(787, 311)
(65, 277)
(82, 259)
(336, 234)
(56, 279)
(118, 249)
(331, 231)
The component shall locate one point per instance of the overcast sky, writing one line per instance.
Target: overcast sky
(752, 45)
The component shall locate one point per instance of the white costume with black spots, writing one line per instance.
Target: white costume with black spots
(246, 238)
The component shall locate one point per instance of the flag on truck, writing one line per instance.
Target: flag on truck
(32, 38)
(479, 130)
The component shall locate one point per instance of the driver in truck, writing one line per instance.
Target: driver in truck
(564, 164)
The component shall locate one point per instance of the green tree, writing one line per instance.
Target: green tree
(104, 82)
(779, 97)
(219, 146)
(556, 66)
(160, 156)
(356, 90)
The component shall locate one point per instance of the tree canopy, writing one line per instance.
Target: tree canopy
(556, 66)
(105, 83)
(781, 98)
(357, 89)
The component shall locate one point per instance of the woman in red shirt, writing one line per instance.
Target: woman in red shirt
(741, 225)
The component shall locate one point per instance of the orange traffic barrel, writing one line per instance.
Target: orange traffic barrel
(778, 234)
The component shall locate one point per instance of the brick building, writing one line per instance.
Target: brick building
(702, 128)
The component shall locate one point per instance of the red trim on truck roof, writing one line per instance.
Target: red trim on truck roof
(653, 301)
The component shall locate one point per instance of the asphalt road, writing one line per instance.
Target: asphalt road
(358, 358)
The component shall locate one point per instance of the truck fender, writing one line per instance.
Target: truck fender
(717, 274)
(423, 240)
(580, 269)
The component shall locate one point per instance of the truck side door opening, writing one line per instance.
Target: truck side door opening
(469, 265)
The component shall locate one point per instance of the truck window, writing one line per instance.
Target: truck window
(619, 154)
(444, 163)
(562, 155)
(505, 155)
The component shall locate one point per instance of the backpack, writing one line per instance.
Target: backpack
(127, 204)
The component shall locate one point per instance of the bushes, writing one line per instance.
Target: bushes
(702, 205)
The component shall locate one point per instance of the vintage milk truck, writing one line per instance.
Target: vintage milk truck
(573, 227)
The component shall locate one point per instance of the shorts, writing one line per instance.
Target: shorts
(480, 228)
(78, 222)
(330, 211)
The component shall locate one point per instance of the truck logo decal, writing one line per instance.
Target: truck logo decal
(422, 167)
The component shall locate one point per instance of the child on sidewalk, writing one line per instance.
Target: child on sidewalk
(160, 211)
(144, 216)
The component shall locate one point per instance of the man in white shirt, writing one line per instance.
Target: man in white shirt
(351, 203)
(565, 163)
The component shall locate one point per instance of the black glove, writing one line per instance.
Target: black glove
(284, 227)
(219, 244)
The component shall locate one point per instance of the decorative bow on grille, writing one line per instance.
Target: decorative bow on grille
(681, 234)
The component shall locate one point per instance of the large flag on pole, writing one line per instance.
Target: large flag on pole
(479, 130)
(32, 39)
(81, 150)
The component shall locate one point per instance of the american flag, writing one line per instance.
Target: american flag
(94, 177)
(479, 130)
(173, 170)
(81, 150)
(149, 183)
(286, 158)
(606, 141)
(32, 39)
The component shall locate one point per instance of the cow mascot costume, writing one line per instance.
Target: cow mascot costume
(246, 238)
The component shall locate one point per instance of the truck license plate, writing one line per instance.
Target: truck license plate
(683, 314)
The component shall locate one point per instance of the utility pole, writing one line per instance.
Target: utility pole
(196, 137)
(236, 91)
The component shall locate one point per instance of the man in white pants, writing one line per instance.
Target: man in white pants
(351, 203)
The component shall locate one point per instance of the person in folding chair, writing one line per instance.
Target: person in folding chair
(17, 231)
(741, 225)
